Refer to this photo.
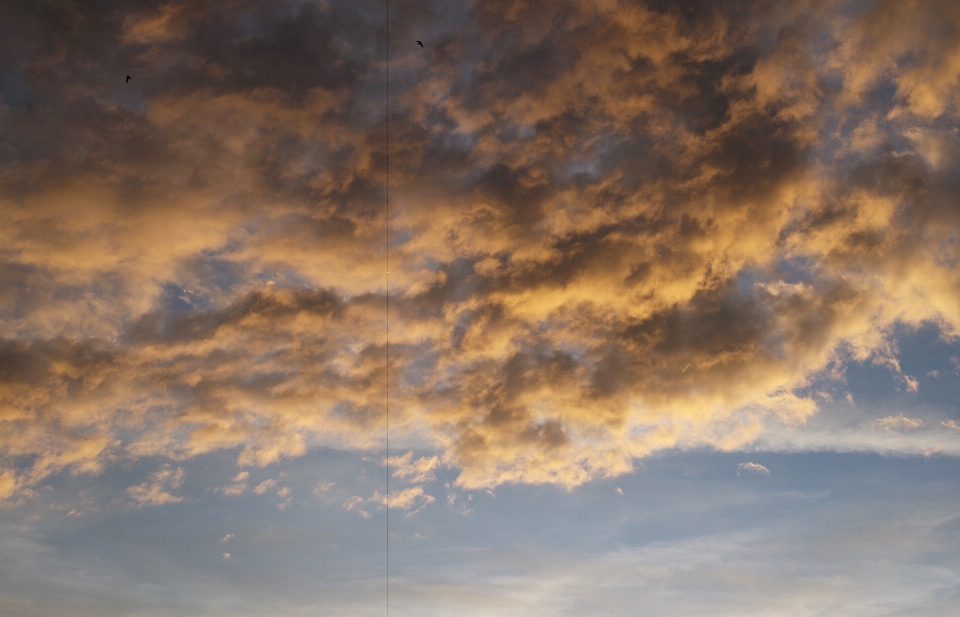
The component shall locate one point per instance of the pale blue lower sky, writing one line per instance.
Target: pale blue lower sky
(856, 533)
(838, 534)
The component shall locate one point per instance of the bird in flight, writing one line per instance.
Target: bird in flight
(419, 43)
(128, 78)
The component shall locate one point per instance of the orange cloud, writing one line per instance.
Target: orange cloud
(612, 229)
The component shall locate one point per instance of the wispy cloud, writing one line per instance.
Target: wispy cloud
(154, 491)
(264, 486)
(322, 488)
(898, 423)
(413, 498)
(751, 467)
(415, 472)
(238, 486)
(351, 503)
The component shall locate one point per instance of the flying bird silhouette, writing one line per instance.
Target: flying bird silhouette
(419, 43)
(128, 78)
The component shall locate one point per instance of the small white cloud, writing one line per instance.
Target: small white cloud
(363, 514)
(238, 487)
(322, 487)
(898, 423)
(912, 384)
(153, 492)
(412, 471)
(283, 492)
(951, 424)
(619, 491)
(412, 498)
(226, 555)
(264, 486)
(934, 374)
(752, 467)
(351, 503)
(228, 537)
(234, 489)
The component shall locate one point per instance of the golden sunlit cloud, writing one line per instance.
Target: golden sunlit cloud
(612, 229)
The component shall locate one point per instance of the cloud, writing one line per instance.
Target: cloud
(951, 424)
(239, 485)
(833, 431)
(411, 471)
(322, 488)
(284, 495)
(351, 503)
(898, 423)
(412, 498)
(753, 468)
(264, 486)
(729, 572)
(8, 484)
(912, 384)
(612, 229)
(228, 537)
(153, 491)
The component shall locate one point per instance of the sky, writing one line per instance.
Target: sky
(585, 307)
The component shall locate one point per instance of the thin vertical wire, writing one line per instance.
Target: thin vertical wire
(387, 240)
